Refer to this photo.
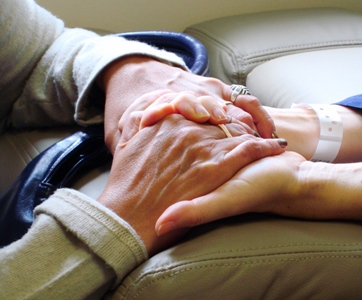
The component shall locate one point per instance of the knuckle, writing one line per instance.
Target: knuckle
(135, 119)
(213, 80)
(253, 101)
(244, 118)
(254, 149)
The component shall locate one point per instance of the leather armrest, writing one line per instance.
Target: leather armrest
(324, 76)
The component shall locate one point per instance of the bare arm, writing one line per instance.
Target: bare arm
(300, 127)
(286, 185)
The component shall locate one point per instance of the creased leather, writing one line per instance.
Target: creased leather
(54, 168)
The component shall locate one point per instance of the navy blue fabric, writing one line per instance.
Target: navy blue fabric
(58, 166)
(354, 102)
(191, 50)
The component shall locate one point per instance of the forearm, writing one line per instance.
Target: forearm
(329, 191)
(301, 128)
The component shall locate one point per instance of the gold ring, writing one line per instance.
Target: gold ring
(226, 131)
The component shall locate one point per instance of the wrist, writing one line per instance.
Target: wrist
(328, 191)
(299, 126)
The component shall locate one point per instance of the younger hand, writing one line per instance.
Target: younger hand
(269, 185)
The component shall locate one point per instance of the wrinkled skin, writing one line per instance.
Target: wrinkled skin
(171, 161)
(130, 78)
(269, 185)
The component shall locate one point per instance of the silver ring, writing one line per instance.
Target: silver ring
(238, 89)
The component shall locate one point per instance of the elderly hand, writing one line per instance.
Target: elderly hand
(273, 184)
(171, 161)
(132, 77)
(152, 107)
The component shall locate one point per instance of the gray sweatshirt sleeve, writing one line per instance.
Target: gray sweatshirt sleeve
(48, 72)
(75, 247)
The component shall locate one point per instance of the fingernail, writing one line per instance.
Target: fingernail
(282, 142)
(165, 227)
(201, 111)
(274, 135)
(219, 113)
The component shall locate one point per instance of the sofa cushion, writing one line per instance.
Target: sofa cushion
(237, 44)
(325, 76)
(255, 257)
(22, 147)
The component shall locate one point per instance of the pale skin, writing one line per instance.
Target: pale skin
(300, 127)
(158, 166)
(301, 189)
(287, 184)
(132, 77)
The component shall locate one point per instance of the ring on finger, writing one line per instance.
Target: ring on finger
(226, 131)
(238, 89)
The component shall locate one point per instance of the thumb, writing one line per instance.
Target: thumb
(221, 203)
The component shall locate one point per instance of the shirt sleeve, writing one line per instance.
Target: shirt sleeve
(49, 71)
(353, 102)
(75, 247)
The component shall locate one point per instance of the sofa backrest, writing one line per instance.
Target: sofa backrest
(175, 15)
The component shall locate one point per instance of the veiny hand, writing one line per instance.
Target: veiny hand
(269, 185)
(132, 77)
(174, 160)
(153, 107)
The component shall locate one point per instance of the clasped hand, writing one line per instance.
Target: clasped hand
(174, 160)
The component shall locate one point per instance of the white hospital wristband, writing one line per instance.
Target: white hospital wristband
(331, 133)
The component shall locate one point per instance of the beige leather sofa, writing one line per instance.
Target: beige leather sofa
(284, 57)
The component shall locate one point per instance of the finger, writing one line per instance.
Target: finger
(195, 109)
(153, 115)
(224, 201)
(200, 109)
(184, 103)
(216, 110)
(237, 128)
(240, 115)
(202, 210)
(262, 120)
(188, 105)
(254, 149)
(232, 154)
(131, 127)
(140, 104)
